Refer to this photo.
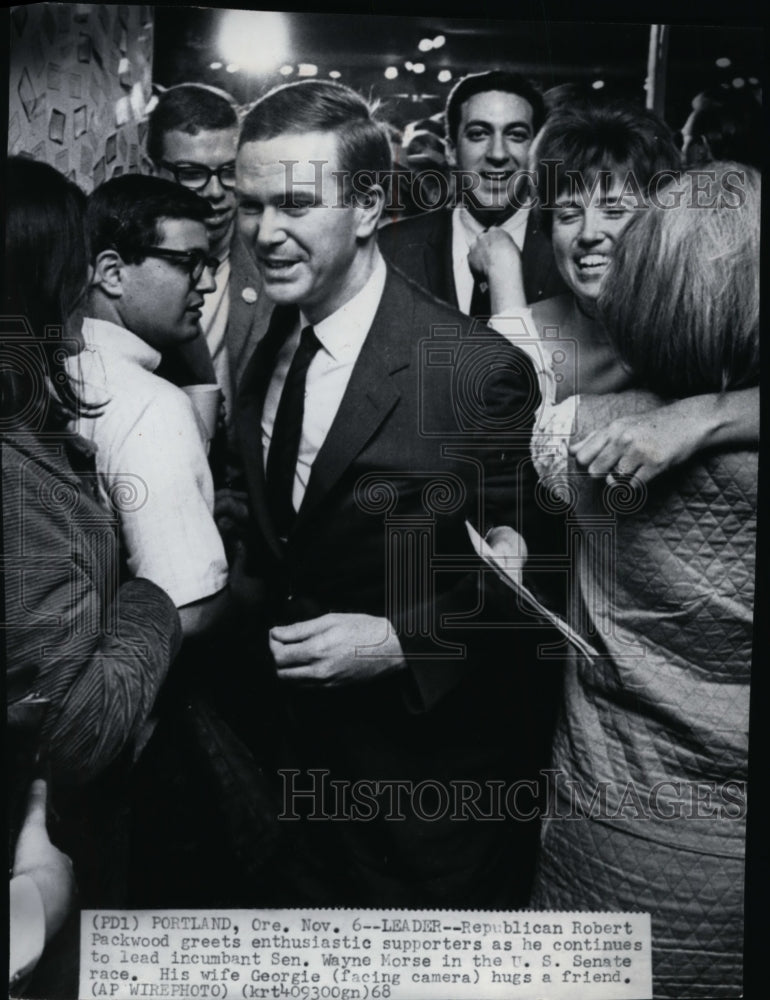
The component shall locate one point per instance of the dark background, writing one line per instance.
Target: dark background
(575, 46)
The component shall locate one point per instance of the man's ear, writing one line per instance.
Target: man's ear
(369, 206)
(108, 273)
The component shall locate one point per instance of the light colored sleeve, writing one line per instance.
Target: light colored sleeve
(158, 478)
(518, 327)
(554, 422)
(27, 928)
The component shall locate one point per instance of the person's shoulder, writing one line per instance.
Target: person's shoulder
(552, 312)
(414, 228)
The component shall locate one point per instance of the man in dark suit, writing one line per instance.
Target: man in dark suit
(373, 421)
(491, 120)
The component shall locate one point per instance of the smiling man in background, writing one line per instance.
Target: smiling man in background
(192, 139)
(491, 120)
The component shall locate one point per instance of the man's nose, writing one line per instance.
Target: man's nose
(270, 230)
(497, 151)
(206, 283)
(213, 190)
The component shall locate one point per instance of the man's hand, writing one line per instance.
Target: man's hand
(46, 865)
(640, 446)
(336, 649)
(510, 550)
(231, 512)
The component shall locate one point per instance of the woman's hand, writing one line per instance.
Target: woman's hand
(645, 445)
(496, 257)
(638, 447)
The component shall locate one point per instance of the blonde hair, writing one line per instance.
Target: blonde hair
(681, 297)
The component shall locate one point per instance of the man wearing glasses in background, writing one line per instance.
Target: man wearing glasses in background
(192, 139)
(152, 269)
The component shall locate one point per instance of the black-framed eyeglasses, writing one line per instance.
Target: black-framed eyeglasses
(194, 262)
(196, 176)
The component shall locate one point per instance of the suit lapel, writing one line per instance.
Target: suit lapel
(439, 267)
(249, 311)
(370, 394)
(251, 400)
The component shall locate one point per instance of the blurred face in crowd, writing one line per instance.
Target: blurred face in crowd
(585, 228)
(312, 246)
(207, 151)
(493, 140)
(160, 301)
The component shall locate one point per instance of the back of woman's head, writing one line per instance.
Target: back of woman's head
(46, 270)
(681, 297)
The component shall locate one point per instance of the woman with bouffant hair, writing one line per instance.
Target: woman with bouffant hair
(657, 724)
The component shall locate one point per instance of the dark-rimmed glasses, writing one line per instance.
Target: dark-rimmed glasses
(196, 176)
(194, 262)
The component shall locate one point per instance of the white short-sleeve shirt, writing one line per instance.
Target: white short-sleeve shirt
(151, 464)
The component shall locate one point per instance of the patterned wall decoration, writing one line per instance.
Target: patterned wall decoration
(79, 84)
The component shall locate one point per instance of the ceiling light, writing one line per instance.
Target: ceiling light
(408, 65)
(425, 45)
(307, 69)
(256, 40)
(216, 65)
(739, 82)
(418, 68)
(724, 62)
(444, 76)
(597, 84)
(438, 41)
(286, 70)
(232, 67)
(335, 74)
(391, 73)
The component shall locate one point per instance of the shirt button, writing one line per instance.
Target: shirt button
(249, 294)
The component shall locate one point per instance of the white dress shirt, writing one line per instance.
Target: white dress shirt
(214, 316)
(342, 336)
(151, 463)
(465, 230)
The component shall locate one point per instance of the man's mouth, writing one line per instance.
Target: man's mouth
(496, 176)
(276, 266)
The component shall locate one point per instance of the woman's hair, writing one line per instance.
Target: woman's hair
(681, 297)
(588, 139)
(46, 271)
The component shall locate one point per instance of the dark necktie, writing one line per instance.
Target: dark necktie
(481, 306)
(287, 431)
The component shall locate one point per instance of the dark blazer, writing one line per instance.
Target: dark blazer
(421, 247)
(433, 429)
(250, 309)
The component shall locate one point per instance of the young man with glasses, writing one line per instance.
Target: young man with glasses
(151, 272)
(192, 139)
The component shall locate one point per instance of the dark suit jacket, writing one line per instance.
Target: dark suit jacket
(433, 429)
(421, 247)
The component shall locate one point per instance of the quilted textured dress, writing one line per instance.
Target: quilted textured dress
(650, 753)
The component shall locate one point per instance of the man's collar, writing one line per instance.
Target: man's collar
(473, 228)
(107, 336)
(342, 333)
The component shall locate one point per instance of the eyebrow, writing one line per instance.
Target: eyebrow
(487, 124)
